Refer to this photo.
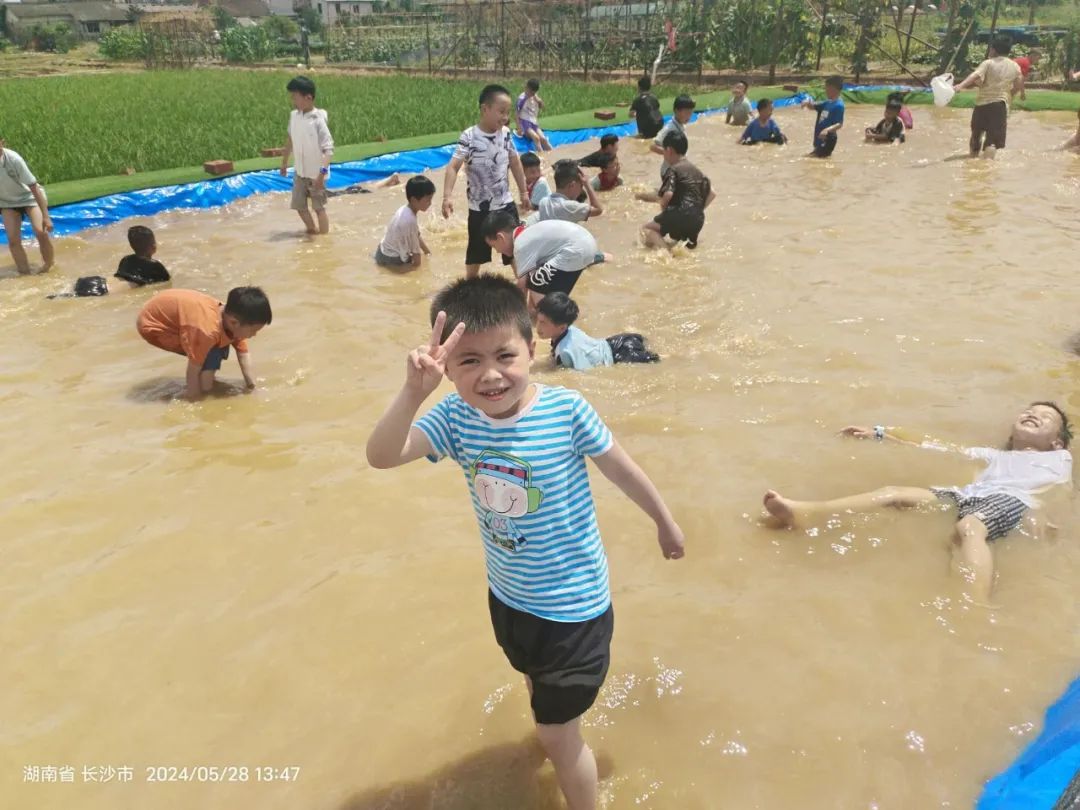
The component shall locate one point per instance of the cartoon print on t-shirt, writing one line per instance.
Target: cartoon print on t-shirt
(503, 487)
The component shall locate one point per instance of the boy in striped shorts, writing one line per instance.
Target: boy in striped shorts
(522, 447)
(1035, 458)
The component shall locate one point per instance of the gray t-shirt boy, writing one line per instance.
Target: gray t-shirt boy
(15, 181)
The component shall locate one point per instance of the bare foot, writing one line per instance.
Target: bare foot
(781, 514)
(312, 231)
(46, 267)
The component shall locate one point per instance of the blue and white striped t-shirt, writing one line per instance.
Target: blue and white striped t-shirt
(530, 490)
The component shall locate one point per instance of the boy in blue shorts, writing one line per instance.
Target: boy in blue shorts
(522, 447)
(830, 117)
(488, 151)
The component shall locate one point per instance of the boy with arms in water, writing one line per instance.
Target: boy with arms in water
(570, 183)
(522, 447)
(200, 327)
(1035, 458)
(890, 128)
(402, 245)
(683, 198)
(764, 128)
(488, 152)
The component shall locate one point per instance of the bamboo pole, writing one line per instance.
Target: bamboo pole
(910, 30)
(993, 26)
(821, 33)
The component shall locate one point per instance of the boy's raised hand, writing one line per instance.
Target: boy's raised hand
(426, 365)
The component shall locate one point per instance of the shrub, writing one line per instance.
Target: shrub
(123, 43)
(247, 45)
(58, 38)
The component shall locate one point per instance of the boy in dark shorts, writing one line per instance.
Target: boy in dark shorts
(830, 117)
(488, 152)
(684, 196)
(1036, 457)
(645, 109)
(572, 348)
(200, 327)
(522, 447)
(22, 197)
(550, 256)
(999, 79)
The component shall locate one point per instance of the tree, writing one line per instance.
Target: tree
(223, 20)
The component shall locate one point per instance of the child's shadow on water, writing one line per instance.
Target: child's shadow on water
(167, 389)
(291, 236)
(495, 778)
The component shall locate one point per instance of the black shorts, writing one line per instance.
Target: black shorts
(823, 147)
(566, 661)
(991, 120)
(547, 279)
(479, 251)
(681, 224)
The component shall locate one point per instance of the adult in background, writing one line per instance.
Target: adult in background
(21, 197)
(998, 79)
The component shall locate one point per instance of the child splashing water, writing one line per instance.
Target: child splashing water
(1035, 458)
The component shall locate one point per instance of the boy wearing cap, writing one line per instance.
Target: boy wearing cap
(522, 447)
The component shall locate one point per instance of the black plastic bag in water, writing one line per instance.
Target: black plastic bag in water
(86, 287)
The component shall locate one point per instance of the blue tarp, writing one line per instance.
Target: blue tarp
(76, 217)
(1041, 773)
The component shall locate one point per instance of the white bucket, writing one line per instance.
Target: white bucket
(943, 89)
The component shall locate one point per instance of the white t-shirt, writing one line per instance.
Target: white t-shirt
(559, 206)
(998, 75)
(402, 237)
(561, 245)
(15, 181)
(311, 140)
(1019, 473)
(672, 125)
(540, 190)
(528, 108)
(487, 160)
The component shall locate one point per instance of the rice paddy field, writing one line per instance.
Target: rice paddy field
(101, 125)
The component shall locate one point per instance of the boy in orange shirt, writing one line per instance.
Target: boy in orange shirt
(202, 328)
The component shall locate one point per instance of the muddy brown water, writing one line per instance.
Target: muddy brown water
(229, 585)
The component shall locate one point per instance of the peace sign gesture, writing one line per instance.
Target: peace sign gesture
(426, 365)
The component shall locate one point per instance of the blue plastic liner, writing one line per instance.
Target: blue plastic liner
(1041, 773)
(76, 217)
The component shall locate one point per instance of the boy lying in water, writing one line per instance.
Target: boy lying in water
(1035, 457)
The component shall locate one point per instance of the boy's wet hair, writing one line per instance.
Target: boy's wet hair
(644, 84)
(678, 142)
(419, 187)
(559, 308)
(684, 103)
(744, 83)
(533, 84)
(482, 303)
(491, 92)
(604, 160)
(498, 222)
(894, 104)
(566, 172)
(836, 82)
(1001, 45)
(1065, 434)
(763, 103)
(530, 160)
(141, 239)
(249, 305)
(302, 85)
(608, 140)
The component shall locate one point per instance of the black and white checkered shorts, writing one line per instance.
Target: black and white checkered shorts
(1000, 513)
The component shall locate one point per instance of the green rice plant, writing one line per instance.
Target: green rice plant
(101, 125)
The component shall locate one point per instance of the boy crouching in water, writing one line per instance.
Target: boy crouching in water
(1035, 457)
(200, 327)
(522, 447)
